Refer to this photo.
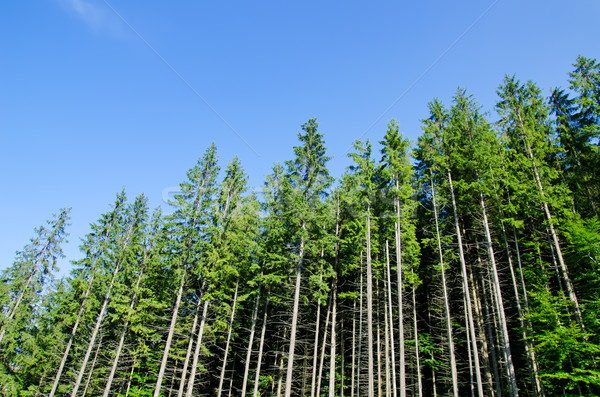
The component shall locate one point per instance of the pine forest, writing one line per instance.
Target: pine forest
(466, 263)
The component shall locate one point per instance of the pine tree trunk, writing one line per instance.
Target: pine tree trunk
(188, 353)
(87, 382)
(371, 363)
(360, 329)
(386, 344)
(122, 339)
(16, 306)
(333, 339)
(538, 386)
(332, 355)
(71, 338)
(260, 348)
(433, 373)
(22, 292)
(129, 380)
(290, 365)
(353, 365)
(469, 352)
(343, 341)
(220, 390)
(454, 372)
(95, 332)
(490, 326)
(466, 289)
(378, 332)
(165, 357)
(324, 344)
(531, 361)
(391, 320)
(512, 377)
(280, 382)
(250, 343)
(416, 330)
(197, 350)
(563, 266)
(79, 316)
(401, 344)
(231, 381)
(484, 326)
(313, 383)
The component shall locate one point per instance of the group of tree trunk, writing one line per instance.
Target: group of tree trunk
(467, 266)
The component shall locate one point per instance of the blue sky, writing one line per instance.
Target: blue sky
(99, 95)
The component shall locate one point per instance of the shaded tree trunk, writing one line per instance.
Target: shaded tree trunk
(220, 390)
(454, 372)
(250, 343)
(197, 350)
(469, 311)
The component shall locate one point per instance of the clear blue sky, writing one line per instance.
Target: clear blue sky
(87, 107)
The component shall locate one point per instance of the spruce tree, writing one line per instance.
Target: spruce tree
(308, 183)
(24, 286)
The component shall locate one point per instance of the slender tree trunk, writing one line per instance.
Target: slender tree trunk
(290, 365)
(16, 306)
(386, 334)
(378, 332)
(22, 292)
(512, 377)
(197, 350)
(391, 319)
(466, 289)
(333, 340)
(531, 361)
(280, 383)
(343, 341)
(417, 356)
(353, 366)
(532, 365)
(71, 338)
(313, 383)
(260, 348)
(129, 380)
(332, 355)
(563, 266)
(371, 375)
(231, 381)
(173, 377)
(433, 373)
(538, 386)
(79, 316)
(87, 382)
(122, 339)
(323, 346)
(360, 330)
(220, 390)
(95, 332)
(401, 344)
(454, 372)
(165, 357)
(478, 290)
(188, 353)
(250, 342)
(490, 324)
(469, 352)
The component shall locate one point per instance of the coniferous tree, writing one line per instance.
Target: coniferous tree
(308, 182)
(187, 225)
(24, 285)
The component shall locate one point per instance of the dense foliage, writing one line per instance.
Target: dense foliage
(467, 266)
